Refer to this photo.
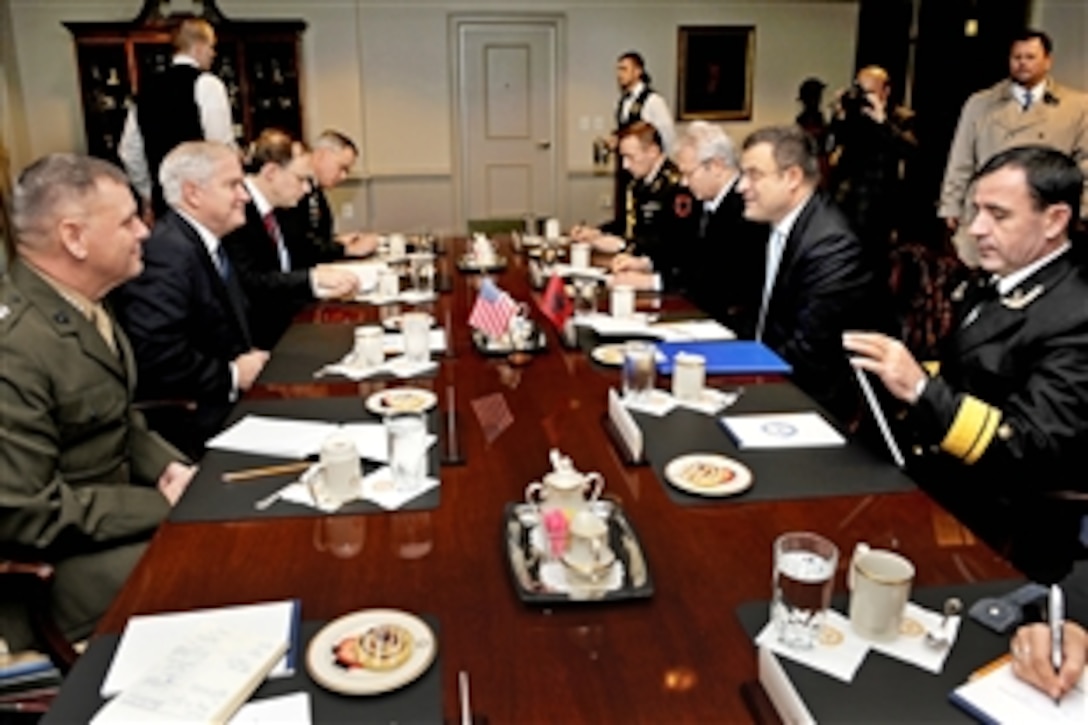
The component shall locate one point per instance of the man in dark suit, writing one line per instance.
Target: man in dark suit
(186, 313)
(83, 483)
(1001, 429)
(818, 279)
(308, 226)
(642, 227)
(277, 285)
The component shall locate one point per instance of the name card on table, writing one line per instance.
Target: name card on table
(624, 425)
(782, 430)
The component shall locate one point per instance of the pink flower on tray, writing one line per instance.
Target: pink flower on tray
(557, 528)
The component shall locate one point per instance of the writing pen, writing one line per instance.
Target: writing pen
(1057, 615)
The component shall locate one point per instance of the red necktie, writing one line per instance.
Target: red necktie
(273, 228)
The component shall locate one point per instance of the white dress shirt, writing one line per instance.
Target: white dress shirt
(654, 111)
(211, 98)
(1035, 93)
(775, 247)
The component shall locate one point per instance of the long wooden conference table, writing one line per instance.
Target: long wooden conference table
(680, 655)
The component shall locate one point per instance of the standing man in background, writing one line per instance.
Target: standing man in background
(308, 225)
(185, 103)
(638, 102)
(874, 143)
(1026, 108)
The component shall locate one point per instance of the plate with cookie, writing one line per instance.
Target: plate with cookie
(610, 354)
(371, 652)
(708, 474)
(401, 400)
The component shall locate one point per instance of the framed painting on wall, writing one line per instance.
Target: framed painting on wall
(714, 72)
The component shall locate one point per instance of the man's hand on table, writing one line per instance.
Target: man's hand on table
(890, 360)
(332, 282)
(249, 366)
(174, 480)
(358, 244)
(629, 263)
(583, 233)
(1031, 657)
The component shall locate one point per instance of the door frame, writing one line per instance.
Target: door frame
(457, 22)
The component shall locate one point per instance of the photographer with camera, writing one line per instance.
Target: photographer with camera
(873, 146)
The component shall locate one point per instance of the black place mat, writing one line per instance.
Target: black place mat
(779, 474)
(417, 702)
(305, 348)
(208, 498)
(886, 689)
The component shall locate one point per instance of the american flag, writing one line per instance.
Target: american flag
(492, 310)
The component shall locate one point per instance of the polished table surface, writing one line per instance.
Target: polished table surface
(679, 656)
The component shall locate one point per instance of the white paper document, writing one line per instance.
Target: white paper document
(782, 430)
(147, 637)
(604, 324)
(288, 438)
(204, 678)
(280, 437)
(691, 331)
(839, 655)
(1006, 699)
(910, 646)
(293, 709)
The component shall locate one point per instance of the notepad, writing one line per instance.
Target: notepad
(203, 678)
(146, 637)
(288, 438)
(1000, 697)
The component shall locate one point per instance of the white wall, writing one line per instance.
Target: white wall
(379, 70)
(1066, 22)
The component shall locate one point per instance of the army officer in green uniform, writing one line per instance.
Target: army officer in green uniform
(83, 483)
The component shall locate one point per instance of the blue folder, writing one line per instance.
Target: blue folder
(726, 357)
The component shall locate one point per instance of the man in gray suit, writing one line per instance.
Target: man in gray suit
(83, 483)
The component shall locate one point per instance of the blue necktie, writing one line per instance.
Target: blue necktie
(224, 262)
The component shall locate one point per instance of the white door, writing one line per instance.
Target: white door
(506, 80)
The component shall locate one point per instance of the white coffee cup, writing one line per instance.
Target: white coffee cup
(588, 555)
(369, 351)
(551, 228)
(623, 301)
(688, 376)
(398, 245)
(579, 255)
(880, 583)
(336, 480)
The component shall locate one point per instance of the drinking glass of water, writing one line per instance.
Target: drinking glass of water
(804, 575)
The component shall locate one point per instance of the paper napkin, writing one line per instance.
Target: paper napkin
(839, 659)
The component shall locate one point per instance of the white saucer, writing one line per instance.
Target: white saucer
(678, 474)
(321, 656)
(401, 400)
(611, 355)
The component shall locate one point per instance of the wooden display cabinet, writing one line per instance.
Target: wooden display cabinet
(258, 60)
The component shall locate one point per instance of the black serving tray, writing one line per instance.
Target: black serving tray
(466, 264)
(538, 342)
(524, 562)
